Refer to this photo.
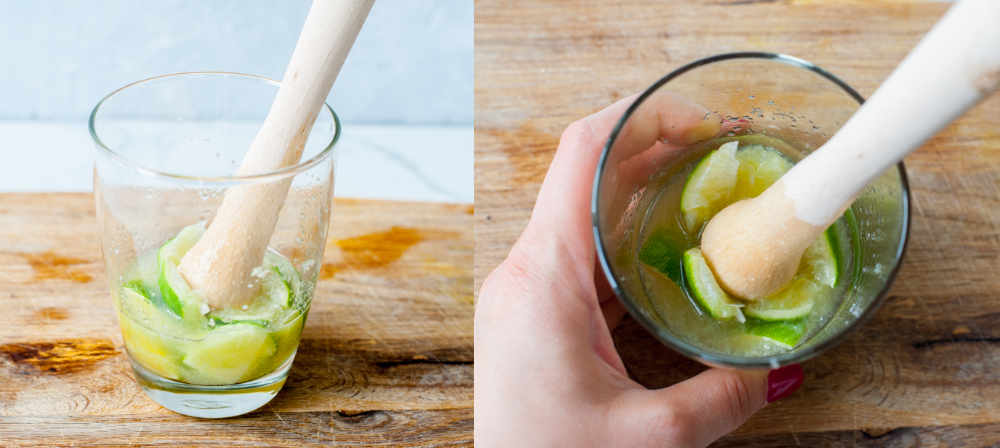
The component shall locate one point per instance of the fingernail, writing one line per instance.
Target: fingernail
(782, 382)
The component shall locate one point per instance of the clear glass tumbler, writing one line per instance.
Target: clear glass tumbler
(779, 96)
(167, 151)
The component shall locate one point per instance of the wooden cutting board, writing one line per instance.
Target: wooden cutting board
(385, 359)
(927, 368)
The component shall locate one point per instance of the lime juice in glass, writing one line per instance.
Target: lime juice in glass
(171, 331)
(680, 283)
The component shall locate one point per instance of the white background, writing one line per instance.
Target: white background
(404, 94)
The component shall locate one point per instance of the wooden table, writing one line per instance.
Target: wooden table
(385, 360)
(927, 367)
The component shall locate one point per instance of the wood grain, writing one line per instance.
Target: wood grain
(264, 428)
(926, 368)
(385, 360)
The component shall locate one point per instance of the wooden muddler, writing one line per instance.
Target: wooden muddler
(218, 267)
(754, 246)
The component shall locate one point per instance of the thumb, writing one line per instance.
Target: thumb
(700, 410)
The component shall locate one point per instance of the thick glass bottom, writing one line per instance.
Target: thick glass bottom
(212, 401)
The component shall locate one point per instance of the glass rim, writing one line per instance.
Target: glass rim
(280, 173)
(684, 347)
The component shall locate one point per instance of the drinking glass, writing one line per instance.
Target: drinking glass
(779, 96)
(167, 151)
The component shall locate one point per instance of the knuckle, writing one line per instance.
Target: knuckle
(577, 132)
(493, 301)
(502, 285)
(739, 398)
(673, 426)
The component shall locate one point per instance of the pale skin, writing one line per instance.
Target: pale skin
(547, 372)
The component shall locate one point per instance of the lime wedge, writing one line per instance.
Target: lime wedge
(179, 245)
(794, 301)
(280, 291)
(138, 288)
(275, 299)
(177, 294)
(288, 274)
(710, 186)
(145, 271)
(173, 286)
(287, 337)
(146, 346)
(230, 354)
(706, 291)
(760, 166)
(145, 304)
(148, 313)
(820, 260)
(135, 297)
(786, 332)
(216, 321)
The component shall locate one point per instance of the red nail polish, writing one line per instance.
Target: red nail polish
(782, 382)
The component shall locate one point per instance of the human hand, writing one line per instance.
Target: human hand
(546, 371)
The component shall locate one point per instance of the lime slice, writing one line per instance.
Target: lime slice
(663, 253)
(145, 346)
(142, 279)
(149, 349)
(279, 288)
(820, 260)
(710, 186)
(230, 354)
(178, 297)
(275, 298)
(177, 294)
(145, 271)
(287, 337)
(786, 332)
(145, 310)
(217, 321)
(288, 274)
(179, 245)
(138, 288)
(760, 166)
(706, 291)
(794, 301)
(144, 304)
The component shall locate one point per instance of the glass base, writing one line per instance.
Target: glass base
(212, 401)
